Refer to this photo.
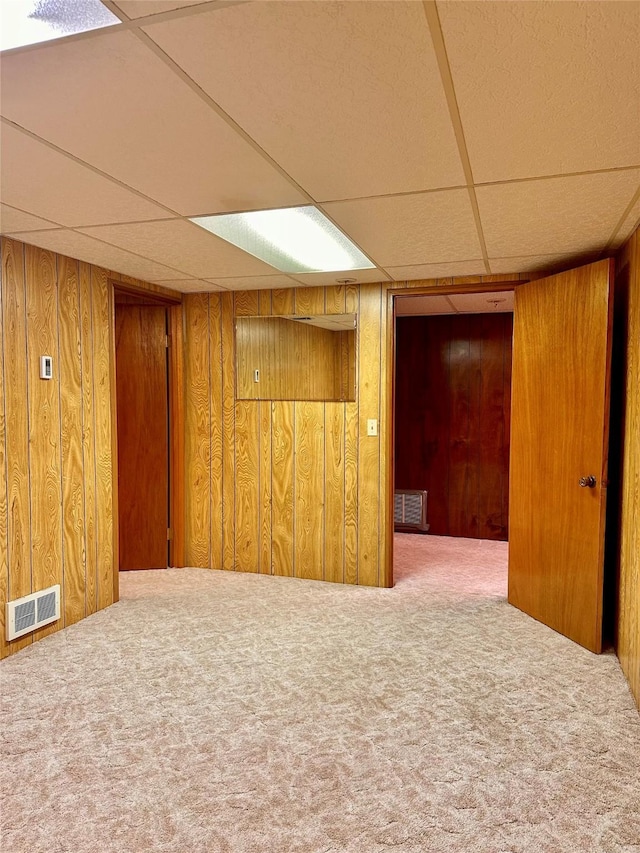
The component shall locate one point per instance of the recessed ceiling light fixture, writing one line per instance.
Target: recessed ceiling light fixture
(293, 239)
(25, 22)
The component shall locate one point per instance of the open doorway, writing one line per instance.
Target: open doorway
(452, 427)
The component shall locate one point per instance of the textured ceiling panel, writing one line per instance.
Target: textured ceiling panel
(110, 101)
(541, 263)
(323, 279)
(94, 252)
(140, 8)
(482, 303)
(37, 178)
(184, 246)
(426, 271)
(255, 282)
(345, 96)
(547, 87)
(189, 285)
(411, 229)
(555, 216)
(406, 306)
(17, 220)
(629, 225)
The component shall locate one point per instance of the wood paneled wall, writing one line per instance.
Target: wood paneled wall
(453, 392)
(295, 361)
(56, 502)
(284, 487)
(628, 621)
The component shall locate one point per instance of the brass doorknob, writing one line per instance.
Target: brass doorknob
(588, 482)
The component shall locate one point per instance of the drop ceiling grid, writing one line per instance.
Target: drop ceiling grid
(618, 206)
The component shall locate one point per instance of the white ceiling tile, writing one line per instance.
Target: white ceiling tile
(324, 279)
(554, 216)
(113, 103)
(141, 8)
(345, 96)
(545, 88)
(84, 248)
(407, 306)
(540, 263)
(12, 219)
(411, 229)
(182, 245)
(426, 271)
(255, 282)
(187, 285)
(483, 303)
(631, 222)
(35, 177)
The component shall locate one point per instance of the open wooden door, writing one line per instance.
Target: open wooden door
(559, 439)
(143, 441)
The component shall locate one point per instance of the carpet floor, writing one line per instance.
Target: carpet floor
(212, 712)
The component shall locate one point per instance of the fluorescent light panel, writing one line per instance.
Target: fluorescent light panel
(25, 22)
(293, 239)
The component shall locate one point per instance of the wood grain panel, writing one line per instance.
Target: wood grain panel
(88, 439)
(628, 616)
(282, 487)
(16, 424)
(229, 431)
(198, 431)
(177, 496)
(73, 475)
(247, 303)
(310, 300)
(334, 473)
(309, 494)
(369, 446)
(4, 543)
(334, 299)
(247, 516)
(44, 424)
(216, 403)
(351, 455)
(102, 378)
(452, 419)
(265, 307)
(385, 538)
(283, 301)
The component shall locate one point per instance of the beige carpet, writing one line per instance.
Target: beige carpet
(210, 712)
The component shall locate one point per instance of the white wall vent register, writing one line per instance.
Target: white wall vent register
(32, 611)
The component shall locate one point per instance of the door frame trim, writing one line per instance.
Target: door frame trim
(392, 294)
(172, 300)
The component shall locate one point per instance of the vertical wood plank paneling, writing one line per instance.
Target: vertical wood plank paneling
(628, 620)
(385, 547)
(177, 487)
(4, 544)
(73, 514)
(334, 299)
(459, 405)
(228, 431)
(310, 300)
(198, 431)
(247, 303)
(334, 492)
(369, 446)
(351, 454)
(265, 567)
(309, 490)
(16, 423)
(88, 439)
(44, 424)
(247, 516)
(282, 487)
(102, 343)
(215, 395)
(283, 301)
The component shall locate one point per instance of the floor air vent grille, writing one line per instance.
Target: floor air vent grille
(410, 510)
(32, 611)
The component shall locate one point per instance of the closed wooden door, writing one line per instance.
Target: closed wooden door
(559, 437)
(143, 447)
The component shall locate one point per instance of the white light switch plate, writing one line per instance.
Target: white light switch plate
(372, 426)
